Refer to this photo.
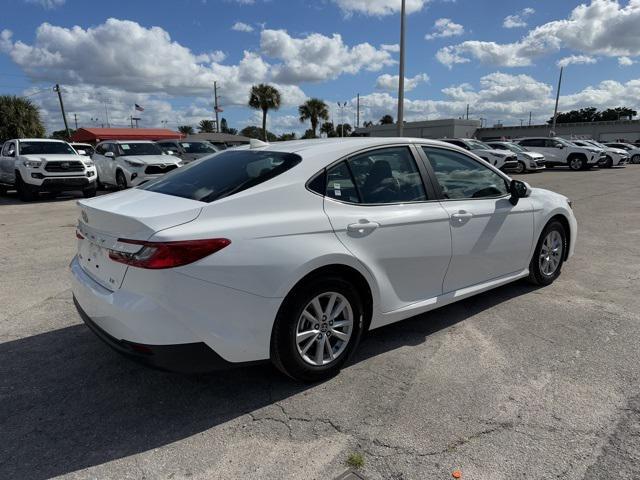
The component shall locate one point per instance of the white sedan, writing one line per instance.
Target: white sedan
(289, 252)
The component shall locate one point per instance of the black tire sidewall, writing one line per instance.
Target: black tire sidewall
(522, 168)
(25, 191)
(120, 174)
(284, 353)
(535, 274)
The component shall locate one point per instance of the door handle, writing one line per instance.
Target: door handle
(364, 227)
(462, 216)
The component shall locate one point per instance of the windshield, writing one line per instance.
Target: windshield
(43, 148)
(197, 147)
(127, 149)
(514, 147)
(223, 174)
(476, 145)
(566, 143)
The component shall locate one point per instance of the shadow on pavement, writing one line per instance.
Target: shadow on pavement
(69, 402)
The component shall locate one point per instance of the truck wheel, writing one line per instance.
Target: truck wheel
(90, 192)
(26, 192)
(577, 163)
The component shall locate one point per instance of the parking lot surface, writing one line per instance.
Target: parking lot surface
(518, 382)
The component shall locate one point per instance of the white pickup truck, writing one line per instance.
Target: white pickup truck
(34, 165)
(560, 152)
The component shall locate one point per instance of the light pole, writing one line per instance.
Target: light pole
(342, 106)
(401, 77)
(555, 112)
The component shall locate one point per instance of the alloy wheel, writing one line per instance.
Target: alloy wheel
(551, 253)
(324, 329)
(576, 164)
(521, 168)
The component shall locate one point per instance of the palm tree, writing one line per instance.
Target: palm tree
(264, 97)
(186, 130)
(327, 127)
(386, 120)
(314, 110)
(206, 126)
(19, 118)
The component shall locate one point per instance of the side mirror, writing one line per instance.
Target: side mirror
(518, 190)
(12, 153)
(109, 155)
(561, 146)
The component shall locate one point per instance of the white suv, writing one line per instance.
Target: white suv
(632, 150)
(32, 165)
(128, 164)
(501, 159)
(527, 161)
(613, 157)
(560, 152)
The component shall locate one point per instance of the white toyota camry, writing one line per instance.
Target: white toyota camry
(291, 251)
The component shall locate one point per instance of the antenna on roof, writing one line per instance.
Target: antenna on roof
(255, 143)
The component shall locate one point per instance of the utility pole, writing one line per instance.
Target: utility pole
(106, 112)
(358, 114)
(467, 111)
(64, 116)
(530, 118)
(131, 118)
(342, 106)
(215, 103)
(401, 78)
(555, 112)
(75, 116)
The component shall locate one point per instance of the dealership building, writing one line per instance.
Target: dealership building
(625, 130)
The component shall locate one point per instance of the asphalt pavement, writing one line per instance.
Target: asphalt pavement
(519, 382)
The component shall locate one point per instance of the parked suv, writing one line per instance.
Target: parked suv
(504, 160)
(32, 165)
(613, 157)
(188, 150)
(632, 150)
(128, 164)
(560, 152)
(527, 161)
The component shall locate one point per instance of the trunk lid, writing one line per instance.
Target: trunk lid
(131, 214)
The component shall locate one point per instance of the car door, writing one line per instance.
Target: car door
(7, 162)
(491, 237)
(388, 217)
(540, 145)
(100, 160)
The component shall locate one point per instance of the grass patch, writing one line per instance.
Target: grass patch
(355, 460)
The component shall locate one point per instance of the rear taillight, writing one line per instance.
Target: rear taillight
(159, 255)
(79, 236)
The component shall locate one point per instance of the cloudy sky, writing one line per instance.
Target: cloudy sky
(500, 57)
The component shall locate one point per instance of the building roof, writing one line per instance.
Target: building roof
(99, 134)
(220, 137)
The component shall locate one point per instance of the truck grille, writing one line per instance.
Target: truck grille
(159, 169)
(64, 167)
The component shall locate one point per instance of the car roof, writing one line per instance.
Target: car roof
(40, 140)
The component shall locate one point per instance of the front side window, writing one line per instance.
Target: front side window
(461, 177)
(43, 148)
(387, 175)
(7, 149)
(215, 177)
(127, 149)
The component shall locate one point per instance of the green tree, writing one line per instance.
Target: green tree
(224, 127)
(386, 120)
(206, 126)
(19, 118)
(287, 136)
(343, 130)
(308, 134)
(264, 97)
(367, 124)
(232, 131)
(327, 128)
(313, 110)
(591, 114)
(256, 132)
(186, 130)
(62, 134)
(613, 114)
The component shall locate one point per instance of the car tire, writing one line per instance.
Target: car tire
(26, 192)
(577, 163)
(608, 162)
(100, 185)
(303, 358)
(549, 254)
(90, 192)
(635, 159)
(521, 168)
(3, 190)
(121, 180)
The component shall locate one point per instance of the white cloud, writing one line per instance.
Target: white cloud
(394, 47)
(518, 20)
(317, 57)
(48, 4)
(390, 82)
(378, 7)
(625, 61)
(576, 60)
(444, 27)
(603, 27)
(242, 27)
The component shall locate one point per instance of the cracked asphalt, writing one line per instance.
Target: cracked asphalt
(518, 382)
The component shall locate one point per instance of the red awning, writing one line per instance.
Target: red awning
(99, 134)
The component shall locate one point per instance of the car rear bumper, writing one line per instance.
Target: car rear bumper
(169, 312)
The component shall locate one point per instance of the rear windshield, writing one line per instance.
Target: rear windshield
(223, 174)
(42, 148)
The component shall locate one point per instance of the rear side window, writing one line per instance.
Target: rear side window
(533, 142)
(214, 177)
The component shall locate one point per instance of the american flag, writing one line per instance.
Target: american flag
(139, 108)
(219, 109)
